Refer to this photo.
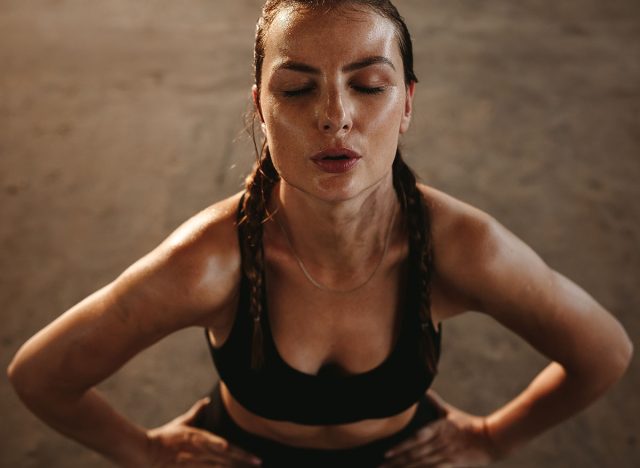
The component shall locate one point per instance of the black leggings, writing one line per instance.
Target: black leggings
(215, 418)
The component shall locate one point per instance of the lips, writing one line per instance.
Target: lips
(336, 160)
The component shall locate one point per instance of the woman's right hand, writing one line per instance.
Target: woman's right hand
(178, 444)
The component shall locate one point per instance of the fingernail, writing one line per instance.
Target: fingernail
(256, 461)
(389, 454)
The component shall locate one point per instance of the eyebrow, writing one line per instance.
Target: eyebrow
(304, 68)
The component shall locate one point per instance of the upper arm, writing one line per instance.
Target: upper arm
(185, 281)
(498, 274)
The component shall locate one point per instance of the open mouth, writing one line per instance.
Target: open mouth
(339, 157)
(336, 160)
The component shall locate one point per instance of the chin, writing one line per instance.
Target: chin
(335, 191)
(330, 190)
(335, 188)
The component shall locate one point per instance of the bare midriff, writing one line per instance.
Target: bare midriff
(327, 437)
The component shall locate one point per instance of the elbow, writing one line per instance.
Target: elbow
(15, 372)
(11, 372)
(626, 354)
(24, 379)
(607, 365)
(620, 358)
(38, 378)
(19, 377)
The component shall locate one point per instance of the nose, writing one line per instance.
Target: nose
(334, 115)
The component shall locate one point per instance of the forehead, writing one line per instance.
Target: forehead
(324, 37)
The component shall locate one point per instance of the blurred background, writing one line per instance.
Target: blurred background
(121, 119)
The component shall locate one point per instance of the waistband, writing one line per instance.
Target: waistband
(215, 418)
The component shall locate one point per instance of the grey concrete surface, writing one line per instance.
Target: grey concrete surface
(121, 119)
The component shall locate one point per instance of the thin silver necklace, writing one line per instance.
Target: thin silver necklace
(323, 287)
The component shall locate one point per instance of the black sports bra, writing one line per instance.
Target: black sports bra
(280, 392)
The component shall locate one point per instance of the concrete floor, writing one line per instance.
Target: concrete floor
(120, 119)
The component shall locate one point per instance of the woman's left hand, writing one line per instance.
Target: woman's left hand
(454, 440)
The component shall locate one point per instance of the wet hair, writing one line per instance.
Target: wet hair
(261, 181)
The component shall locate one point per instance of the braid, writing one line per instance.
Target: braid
(421, 248)
(258, 186)
(260, 183)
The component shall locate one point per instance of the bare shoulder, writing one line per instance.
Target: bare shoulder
(480, 265)
(196, 268)
(454, 219)
(187, 280)
(472, 250)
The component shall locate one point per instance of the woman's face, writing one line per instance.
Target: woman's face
(333, 100)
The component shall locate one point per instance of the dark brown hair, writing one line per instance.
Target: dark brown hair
(261, 181)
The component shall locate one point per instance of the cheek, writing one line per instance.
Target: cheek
(381, 120)
(280, 113)
(285, 125)
(382, 131)
(286, 134)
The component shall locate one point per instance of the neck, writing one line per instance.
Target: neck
(338, 242)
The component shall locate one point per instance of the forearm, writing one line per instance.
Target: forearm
(91, 421)
(554, 395)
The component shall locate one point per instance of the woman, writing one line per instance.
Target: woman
(323, 286)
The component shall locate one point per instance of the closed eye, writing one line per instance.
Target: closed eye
(360, 89)
(297, 92)
(369, 90)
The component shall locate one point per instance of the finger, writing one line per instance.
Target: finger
(423, 435)
(199, 441)
(422, 455)
(216, 445)
(190, 416)
(239, 454)
(433, 457)
(234, 453)
(199, 456)
(193, 460)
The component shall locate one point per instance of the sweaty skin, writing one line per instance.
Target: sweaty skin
(362, 108)
(349, 93)
(329, 80)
